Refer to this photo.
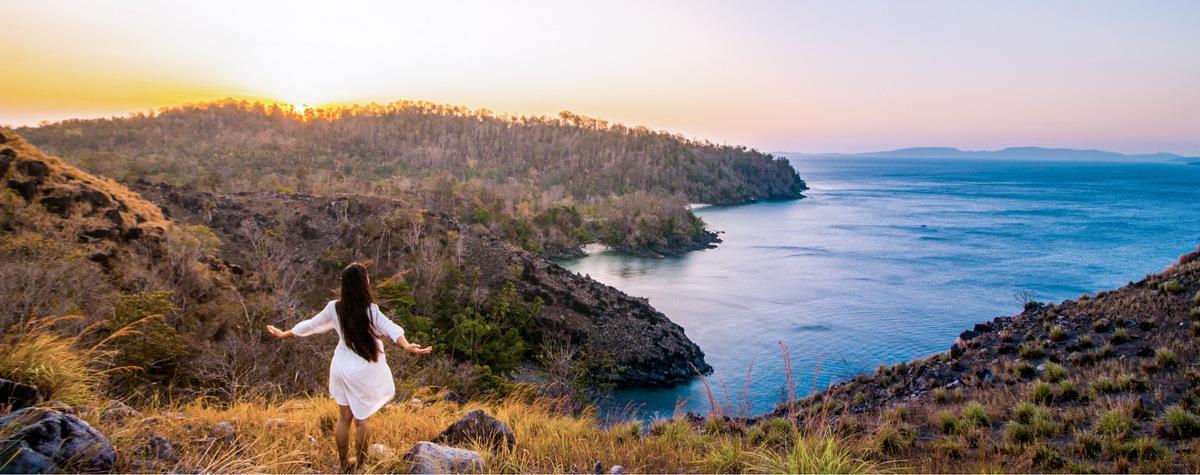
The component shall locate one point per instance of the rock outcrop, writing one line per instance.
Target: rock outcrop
(431, 458)
(49, 441)
(631, 342)
(477, 427)
(18, 395)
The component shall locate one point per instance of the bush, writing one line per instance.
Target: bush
(950, 447)
(1141, 450)
(1165, 359)
(1181, 424)
(1087, 445)
(1041, 393)
(1067, 391)
(1058, 333)
(155, 347)
(1023, 370)
(1196, 298)
(1120, 336)
(775, 433)
(1017, 433)
(1030, 351)
(1104, 386)
(1053, 372)
(974, 415)
(1114, 425)
(1046, 458)
(949, 423)
(940, 396)
(1173, 286)
(891, 440)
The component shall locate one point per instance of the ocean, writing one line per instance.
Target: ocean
(888, 260)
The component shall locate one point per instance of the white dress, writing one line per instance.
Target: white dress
(353, 381)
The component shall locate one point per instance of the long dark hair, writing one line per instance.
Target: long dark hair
(353, 311)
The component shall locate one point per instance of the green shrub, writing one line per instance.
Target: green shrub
(1196, 298)
(1023, 369)
(1120, 336)
(1165, 359)
(1030, 351)
(1102, 325)
(949, 423)
(775, 432)
(975, 415)
(1067, 391)
(1025, 411)
(1143, 449)
(1041, 393)
(1053, 372)
(1017, 433)
(1114, 425)
(1181, 424)
(1087, 445)
(155, 347)
(941, 395)
(1173, 286)
(1104, 386)
(1058, 333)
(951, 447)
(1046, 458)
(891, 440)
(1195, 327)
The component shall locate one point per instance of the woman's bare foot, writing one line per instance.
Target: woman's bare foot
(350, 465)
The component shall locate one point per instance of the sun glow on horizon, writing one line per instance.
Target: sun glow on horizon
(797, 76)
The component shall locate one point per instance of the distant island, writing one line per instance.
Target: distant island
(1010, 153)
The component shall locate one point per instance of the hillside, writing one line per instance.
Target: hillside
(546, 184)
(200, 275)
(1108, 382)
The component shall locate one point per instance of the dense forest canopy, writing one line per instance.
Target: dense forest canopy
(548, 184)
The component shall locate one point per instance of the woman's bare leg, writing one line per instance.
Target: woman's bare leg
(341, 435)
(362, 433)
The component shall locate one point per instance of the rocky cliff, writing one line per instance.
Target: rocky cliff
(625, 339)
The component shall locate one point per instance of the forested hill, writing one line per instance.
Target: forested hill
(238, 146)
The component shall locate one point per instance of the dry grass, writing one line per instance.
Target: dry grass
(547, 442)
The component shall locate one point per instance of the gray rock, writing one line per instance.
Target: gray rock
(616, 470)
(428, 457)
(224, 431)
(18, 395)
(47, 441)
(159, 448)
(117, 411)
(451, 396)
(477, 426)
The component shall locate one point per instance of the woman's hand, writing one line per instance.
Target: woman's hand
(275, 332)
(417, 350)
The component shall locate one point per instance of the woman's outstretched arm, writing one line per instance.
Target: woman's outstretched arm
(320, 323)
(282, 335)
(412, 347)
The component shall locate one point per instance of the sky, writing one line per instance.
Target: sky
(844, 76)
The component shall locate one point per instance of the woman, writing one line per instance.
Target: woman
(359, 378)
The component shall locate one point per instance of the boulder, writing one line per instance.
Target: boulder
(477, 425)
(18, 395)
(48, 441)
(451, 396)
(428, 457)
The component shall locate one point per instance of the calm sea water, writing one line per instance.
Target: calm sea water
(888, 260)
